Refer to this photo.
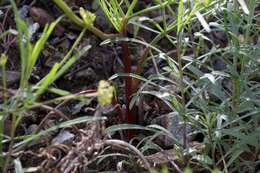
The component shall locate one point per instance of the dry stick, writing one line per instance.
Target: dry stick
(54, 110)
(123, 144)
(6, 15)
(72, 165)
(174, 165)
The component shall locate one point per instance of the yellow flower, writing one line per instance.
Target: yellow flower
(87, 17)
(3, 59)
(105, 93)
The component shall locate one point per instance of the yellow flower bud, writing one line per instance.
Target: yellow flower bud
(3, 59)
(87, 17)
(105, 93)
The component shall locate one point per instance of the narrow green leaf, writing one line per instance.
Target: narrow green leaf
(71, 15)
(180, 16)
(71, 61)
(40, 45)
(48, 79)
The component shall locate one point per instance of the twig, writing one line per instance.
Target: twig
(174, 165)
(53, 110)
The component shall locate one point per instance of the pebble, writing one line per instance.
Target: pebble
(173, 123)
(63, 137)
(24, 11)
(88, 74)
(11, 77)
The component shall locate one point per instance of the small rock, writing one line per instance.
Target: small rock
(32, 129)
(24, 11)
(11, 77)
(52, 58)
(42, 139)
(63, 137)
(219, 65)
(174, 123)
(102, 22)
(33, 28)
(64, 45)
(219, 38)
(71, 36)
(88, 74)
(42, 17)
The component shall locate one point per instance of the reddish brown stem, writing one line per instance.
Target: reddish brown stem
(139, 70)
(130, 114)
(128, 80)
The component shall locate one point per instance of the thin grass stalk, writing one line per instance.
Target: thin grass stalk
(10, 150)
(179, 57)
(65, 8)
(3, 60)
(2, 116)
(182, 87)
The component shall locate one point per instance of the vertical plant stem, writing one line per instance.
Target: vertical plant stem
(130, 114)
(181, 84)
(3, 60)
(4, 84)
(10, 150)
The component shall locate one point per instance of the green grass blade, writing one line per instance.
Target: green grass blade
(49, 78)
(40, 45)
(180, 16)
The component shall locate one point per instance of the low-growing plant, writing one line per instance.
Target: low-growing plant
(212, 101)
(220, 102)
(119, 19)
(16, 104)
